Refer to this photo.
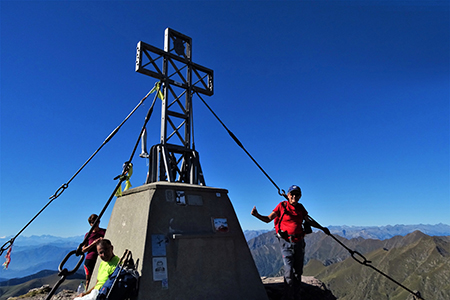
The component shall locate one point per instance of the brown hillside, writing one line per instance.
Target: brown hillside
(23, 288)
(418, 261)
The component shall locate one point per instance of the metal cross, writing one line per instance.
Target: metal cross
(175, 159)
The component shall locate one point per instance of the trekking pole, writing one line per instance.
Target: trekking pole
(120, 266)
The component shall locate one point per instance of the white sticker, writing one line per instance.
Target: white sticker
(159, 268)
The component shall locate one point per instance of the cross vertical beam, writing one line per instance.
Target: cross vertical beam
(175, 159)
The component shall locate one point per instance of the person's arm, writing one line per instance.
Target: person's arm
(266, 219)
(314, 224)
(92, 245)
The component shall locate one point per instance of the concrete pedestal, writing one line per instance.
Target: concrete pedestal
(187, 241)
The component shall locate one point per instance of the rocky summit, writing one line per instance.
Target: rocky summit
(42, 292)
(312, 289)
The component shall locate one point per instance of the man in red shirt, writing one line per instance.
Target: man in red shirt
(289, 216)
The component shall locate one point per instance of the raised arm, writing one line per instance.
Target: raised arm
(92, 245)
(266, 219)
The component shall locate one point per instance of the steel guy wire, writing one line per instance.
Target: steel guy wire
(364, 262)
(63, 272)
(63, 187)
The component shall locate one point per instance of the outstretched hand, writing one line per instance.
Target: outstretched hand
(254, 211)
(326, 230)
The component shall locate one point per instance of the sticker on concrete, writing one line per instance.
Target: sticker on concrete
(159, 242)
(220, 224)
(165, 284)
(181, 198)
(159, 268)
(196, 200)
(170, 195)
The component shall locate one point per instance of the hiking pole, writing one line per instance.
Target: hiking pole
(121, 265)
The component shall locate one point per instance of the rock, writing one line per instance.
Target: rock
(42, 292)
(65, 295)
(311, 288)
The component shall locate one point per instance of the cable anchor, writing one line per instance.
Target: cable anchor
(59, 191)
(363, 262)
(7, 245)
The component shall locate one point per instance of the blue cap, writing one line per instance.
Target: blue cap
(294, 188)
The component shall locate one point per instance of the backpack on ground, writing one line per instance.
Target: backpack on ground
(123, 282)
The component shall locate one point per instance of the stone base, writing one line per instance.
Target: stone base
(187, 242)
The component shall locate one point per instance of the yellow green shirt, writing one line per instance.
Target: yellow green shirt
(106, 268)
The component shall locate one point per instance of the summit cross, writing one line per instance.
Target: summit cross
(174, 159)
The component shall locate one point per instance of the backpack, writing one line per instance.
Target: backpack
(123, 282)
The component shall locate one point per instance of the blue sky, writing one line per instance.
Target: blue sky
(348, 99)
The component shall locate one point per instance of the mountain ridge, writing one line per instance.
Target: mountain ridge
(418, 261)
(373, 232)
(33, 254)
(21, 286)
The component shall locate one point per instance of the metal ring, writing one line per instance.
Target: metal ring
(59, 191)
(65, 271)
(365, 262)
(6, 246)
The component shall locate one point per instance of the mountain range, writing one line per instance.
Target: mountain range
(418, 261)
(30, 255)
(35, 253)
(373, 232)
(389, 231)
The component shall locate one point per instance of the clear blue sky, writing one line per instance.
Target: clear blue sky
(348, 99)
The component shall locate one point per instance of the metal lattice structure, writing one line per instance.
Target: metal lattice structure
(175, 159)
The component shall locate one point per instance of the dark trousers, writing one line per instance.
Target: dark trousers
(293, 256)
